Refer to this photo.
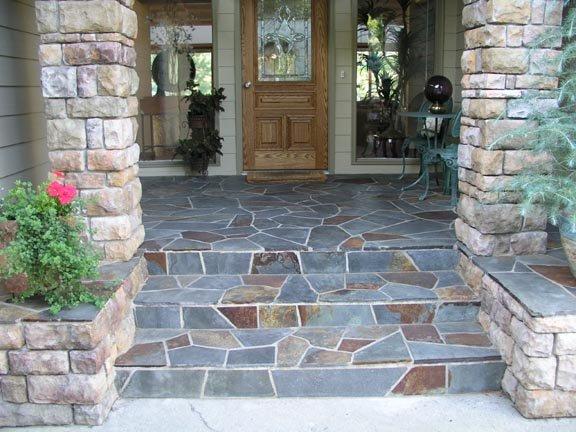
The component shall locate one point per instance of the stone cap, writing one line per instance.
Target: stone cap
(542, 284)
(112, 277)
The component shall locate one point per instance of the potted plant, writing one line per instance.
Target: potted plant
(550, 133)
(46, 251)
(203, 141)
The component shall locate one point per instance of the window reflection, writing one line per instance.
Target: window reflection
(174, 32)
(394, 56)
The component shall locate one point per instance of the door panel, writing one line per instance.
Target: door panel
(284, 68)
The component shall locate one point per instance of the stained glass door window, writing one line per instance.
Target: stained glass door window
(284, 30)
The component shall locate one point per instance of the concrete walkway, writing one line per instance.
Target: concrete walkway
(482, 413)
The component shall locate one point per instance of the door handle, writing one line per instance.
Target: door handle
(247, 84)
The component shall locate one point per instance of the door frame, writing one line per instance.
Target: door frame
(321, 66)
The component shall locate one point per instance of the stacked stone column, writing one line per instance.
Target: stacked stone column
(87, 58)
(500, 65)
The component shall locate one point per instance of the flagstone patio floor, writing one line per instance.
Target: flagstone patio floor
(345, 213)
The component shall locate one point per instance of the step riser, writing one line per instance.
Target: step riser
(301, 315)
(292, 262)
(272, 383)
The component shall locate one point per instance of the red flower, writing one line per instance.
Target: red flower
(64, 193)
(54, 189)
(58, 174)
(67, 194)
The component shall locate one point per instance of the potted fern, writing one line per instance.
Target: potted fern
(203, 142)
(550, 134)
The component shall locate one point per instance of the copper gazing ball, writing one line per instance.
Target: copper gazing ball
(438, 90)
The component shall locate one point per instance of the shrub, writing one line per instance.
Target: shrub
(50, 246)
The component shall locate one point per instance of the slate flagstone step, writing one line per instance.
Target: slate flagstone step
(291, 261)
(452, 357)
(337, 299)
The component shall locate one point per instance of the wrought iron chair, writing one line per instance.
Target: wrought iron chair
(418, 141)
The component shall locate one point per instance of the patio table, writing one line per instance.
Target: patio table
(430, 153)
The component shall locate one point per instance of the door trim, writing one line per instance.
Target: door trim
(320, 70)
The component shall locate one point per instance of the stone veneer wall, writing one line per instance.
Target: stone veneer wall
(498, 68)
(88, 82)
(540, 352)
(62, 372)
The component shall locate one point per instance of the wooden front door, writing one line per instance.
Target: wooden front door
(285, 89)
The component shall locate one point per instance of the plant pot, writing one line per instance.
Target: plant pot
(197, 122)
(569, 244)
(19, 283)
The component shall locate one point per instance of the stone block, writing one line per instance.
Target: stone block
(113, 160)
(11, 336)
(101, 106)
(474, 14)
(59, 81)
(554, 11)
(90, 16)
(540, 82)
(508, 11)
(118, 133)
(95, 415)
(47, 16)
(60, 336)
(86, 180)
(93, 53)
(565, 344)
(566, 377)
(66, 134)
(528, 243)
(111, 228)
(485, 36)
(67, 160)
(117, 80)
(95, 133)
(125, 249)
(514, 35)
(501, 134)
(490, 218)
(4, 367)
(487, 162)
(55, 108)
(34, 415)
(553, 324)
(120, 178)
(87, 85)
(68, 389)
(509, 384)
(91, 361)
(534, 373)
(505, 60)
(504, 343)
(24, 362)
(13, 389)
(483, 108)
(481, 244)
(531, 343)
(470, 61)
(545, 403)
(50, 54)
(545, 62)
(107, 201)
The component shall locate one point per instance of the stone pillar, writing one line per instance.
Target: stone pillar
(499, 66)
(88, 83)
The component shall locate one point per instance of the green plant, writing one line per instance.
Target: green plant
(203, 141)
(549, 179)
(50, 247)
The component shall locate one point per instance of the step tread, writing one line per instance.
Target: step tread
(317, 347)
(334, 288)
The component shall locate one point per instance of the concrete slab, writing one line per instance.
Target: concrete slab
(482, 413)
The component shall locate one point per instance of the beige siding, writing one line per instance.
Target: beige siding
(22, 125)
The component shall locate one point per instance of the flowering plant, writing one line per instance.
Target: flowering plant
(50, 247)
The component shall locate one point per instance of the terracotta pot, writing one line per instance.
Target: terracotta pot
(15, 284)
(197, 122)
